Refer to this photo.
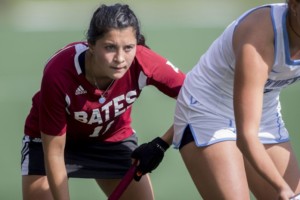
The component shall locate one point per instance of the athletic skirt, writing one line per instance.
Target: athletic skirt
(195, 122)
(97, 160)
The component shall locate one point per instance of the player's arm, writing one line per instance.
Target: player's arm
(168, 136)
(55, 165)
(254, 52)
(168, 79)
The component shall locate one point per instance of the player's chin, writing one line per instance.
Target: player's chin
(119, 74)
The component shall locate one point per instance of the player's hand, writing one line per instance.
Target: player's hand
(149, 156)
(286, 194)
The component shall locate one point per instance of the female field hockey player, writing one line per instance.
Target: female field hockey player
(228, 125)
(80, 125)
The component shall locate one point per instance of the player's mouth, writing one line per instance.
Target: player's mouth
(119, 68)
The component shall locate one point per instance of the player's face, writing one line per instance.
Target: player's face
(113, 54)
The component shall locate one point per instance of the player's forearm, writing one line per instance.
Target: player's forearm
(57, 177)
(256, 154)
(168, 136)
(53, 147)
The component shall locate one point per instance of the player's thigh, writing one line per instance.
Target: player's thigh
(259, 187)
(217, 170)
(35, 188)
(135, 191)
(286, 163)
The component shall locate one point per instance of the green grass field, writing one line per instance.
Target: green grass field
(25, 49)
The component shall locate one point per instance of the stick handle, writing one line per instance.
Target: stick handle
(126, 180)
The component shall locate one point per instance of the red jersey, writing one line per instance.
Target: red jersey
(68, 103)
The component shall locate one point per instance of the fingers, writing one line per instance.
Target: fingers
(135, 162)
(138, 175)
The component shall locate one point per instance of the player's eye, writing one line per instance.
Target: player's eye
(110, 48)
(128, 48)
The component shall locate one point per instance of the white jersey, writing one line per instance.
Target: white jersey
(210, 82)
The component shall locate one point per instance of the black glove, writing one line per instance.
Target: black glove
(149, 155)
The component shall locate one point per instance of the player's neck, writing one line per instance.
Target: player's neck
(101, 82)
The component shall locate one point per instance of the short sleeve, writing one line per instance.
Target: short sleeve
(160, 72)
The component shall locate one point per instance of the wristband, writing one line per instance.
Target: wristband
(161, 144)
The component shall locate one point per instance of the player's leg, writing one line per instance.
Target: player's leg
(217, 170)
(107, 163)
(35, 188)
(34, 182)
(135, 190)
(285, 161)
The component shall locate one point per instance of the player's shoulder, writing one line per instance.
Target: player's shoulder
(145, 55)
(64, 56)
(69, 48)
(257, 18)
(261, 17)
(255, 27)
(61, 65)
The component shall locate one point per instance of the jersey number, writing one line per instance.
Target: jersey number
(99, 128)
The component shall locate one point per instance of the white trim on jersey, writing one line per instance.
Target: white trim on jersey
(142, 80)
(79, 49)
(68, 101)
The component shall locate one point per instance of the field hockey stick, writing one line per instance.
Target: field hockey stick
(126, 180)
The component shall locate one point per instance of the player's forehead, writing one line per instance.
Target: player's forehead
(123, 36)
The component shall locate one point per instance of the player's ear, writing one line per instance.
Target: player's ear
(91, 48)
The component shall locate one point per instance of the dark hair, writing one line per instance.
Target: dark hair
(116, 16)
(287, 1)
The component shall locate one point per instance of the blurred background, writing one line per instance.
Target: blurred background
(31, 31)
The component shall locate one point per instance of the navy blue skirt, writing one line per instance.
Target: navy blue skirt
(97, 160)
